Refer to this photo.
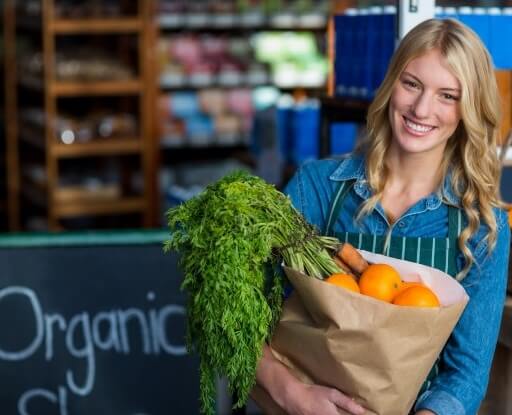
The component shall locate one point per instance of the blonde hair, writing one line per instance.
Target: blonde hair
(470, 153)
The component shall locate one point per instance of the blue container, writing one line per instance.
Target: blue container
(343, 137)
(446, 13)
(199, 129)
(184, 104)
(343, 53)
(500, 35)
(373, 29)
(356, 87)
(386, 46)
(306, 123)
(364, 44)
(478, 20)
(284, 116)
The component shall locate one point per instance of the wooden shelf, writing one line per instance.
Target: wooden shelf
(216, 142)
(74, 88)
(41, 185)
(243, 22)
(87, 204)
(96, 208)
(187, 83)
(97, 147)
(91, 26)
(83, 194)
(125, 87)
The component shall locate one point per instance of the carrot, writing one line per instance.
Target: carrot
(343, 266)
(351, 256)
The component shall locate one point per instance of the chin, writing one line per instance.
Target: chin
(416, 146)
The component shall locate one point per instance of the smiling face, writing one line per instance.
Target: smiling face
(424, 108)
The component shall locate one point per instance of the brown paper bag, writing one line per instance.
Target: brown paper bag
(378, 353)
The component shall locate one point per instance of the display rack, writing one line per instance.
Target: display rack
(63, 203)
(10, 161)
(3, 153)
(225, 134)
(228, 25)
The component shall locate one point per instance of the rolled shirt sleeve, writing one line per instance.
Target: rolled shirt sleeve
(467, 357)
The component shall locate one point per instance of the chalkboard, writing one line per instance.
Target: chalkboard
(93, 324)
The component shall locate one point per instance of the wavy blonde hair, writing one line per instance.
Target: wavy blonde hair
(470, 153)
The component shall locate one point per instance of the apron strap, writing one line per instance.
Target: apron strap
(454, 222)
(454, 213)
(337, 203)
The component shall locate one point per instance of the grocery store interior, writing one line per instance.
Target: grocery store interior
(114, 111)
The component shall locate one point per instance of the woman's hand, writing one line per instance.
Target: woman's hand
(298, 398)
(425, 412)
(303, 399)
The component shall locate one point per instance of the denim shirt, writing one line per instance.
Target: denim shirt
(467, 357)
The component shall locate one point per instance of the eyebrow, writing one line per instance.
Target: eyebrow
(418, 80)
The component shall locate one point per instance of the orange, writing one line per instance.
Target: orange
(417, 296)
(343, 280)
(406, 284)
(380, 281)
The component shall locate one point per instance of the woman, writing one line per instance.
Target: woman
(424, 187)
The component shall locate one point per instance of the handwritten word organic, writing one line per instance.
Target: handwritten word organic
(122, 331)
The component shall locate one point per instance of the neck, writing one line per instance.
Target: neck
(416, 174)
(411, 178)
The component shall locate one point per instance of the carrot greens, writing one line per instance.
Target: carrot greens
(229, 237)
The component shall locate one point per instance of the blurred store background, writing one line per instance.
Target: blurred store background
(115, 110)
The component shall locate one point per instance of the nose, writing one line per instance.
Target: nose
(422, 105)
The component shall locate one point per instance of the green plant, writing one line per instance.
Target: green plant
(229, 237)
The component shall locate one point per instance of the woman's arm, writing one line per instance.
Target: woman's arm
(466, 360)
(297, 398)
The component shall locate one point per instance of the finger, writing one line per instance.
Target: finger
(348, 404)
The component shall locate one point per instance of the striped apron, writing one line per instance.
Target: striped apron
(440, 253)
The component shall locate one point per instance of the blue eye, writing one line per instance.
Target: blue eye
(450, 97)
(411, 84)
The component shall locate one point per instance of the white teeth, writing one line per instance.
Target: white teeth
(417, 127)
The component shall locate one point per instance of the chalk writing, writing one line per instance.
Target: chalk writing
(85, 333)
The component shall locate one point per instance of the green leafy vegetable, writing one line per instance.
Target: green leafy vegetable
(229, 236)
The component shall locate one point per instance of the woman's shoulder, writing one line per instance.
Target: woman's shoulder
(502, 224)
(501, 218)
(479, 242)
(312, 186)
(345, 167)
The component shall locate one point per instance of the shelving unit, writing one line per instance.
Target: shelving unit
(44, 184)
(11, 176)
(337, 109)
(222, 29)
(3, 152)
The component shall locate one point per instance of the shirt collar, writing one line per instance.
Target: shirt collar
(352, 167)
